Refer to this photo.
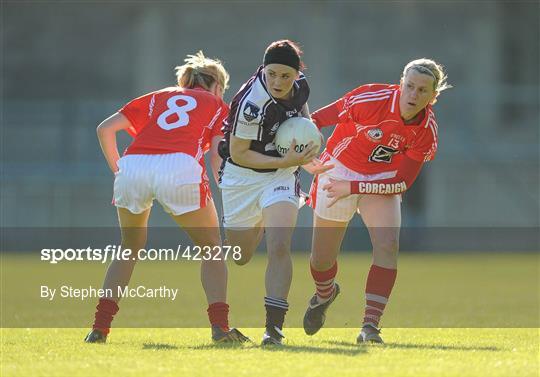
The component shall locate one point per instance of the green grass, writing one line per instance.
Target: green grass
(432, 290)
(449, 315)
(333, 352)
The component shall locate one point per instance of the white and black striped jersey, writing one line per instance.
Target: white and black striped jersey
(256, 115)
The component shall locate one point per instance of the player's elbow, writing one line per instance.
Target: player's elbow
(103, 127)
(238, 150)
(101, 130)
(112, 124)
(238, 156)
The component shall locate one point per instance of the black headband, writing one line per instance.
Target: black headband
(282, 55)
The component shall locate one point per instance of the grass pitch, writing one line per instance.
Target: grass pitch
(333, 352)
(432, 325)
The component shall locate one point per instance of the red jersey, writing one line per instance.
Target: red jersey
(370, 136)
(174, 120)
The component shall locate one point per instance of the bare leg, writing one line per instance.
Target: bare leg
(247, 240)
(279, 220)
(326, 242)
(134, 234)
(382, 216)
(203, 228)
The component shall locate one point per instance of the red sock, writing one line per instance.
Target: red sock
(218, 314)
(324, 281)
(379, 285)
(106, 309)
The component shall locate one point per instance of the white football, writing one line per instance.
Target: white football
(299, 128)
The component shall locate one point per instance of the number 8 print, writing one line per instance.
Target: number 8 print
(180, 111)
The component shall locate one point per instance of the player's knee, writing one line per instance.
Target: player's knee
(279, 249)
(214, 243)
(128, 263)
(214, 255)
(388, 247)
(245, 257)
(321, 263)
(243, 260)
(134, 242)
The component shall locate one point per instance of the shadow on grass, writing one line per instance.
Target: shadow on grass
(159, 346)
(225, 346)
(329, 351)
(286, 348)
(441, 347)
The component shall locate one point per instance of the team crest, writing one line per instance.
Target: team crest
(374, 134)
(382, 153)
(251, 111)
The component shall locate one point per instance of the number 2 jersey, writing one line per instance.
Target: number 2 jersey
(174, 120)
(370, 136)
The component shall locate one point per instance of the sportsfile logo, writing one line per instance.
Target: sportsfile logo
(114, 252)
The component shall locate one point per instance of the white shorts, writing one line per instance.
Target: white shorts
(176, 180)
(345, 208)
(246, 193)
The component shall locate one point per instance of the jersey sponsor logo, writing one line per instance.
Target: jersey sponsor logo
(281, 188)
(382, 188)
(382, 153)
(251, 111)
(374, 134)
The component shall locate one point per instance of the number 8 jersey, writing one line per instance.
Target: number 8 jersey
(174, 120)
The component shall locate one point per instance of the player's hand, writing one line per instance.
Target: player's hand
(316, 166)
(336, 190)
(293, 158)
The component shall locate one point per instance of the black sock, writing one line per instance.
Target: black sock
(276, 308)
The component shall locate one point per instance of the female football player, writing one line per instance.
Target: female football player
(259, 187)
(172, 129)
(384, 134)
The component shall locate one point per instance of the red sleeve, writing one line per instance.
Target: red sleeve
(346, 108)
(137, 113)
(424, 147)
(407, 172)
(328, 115)
(217, 128)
